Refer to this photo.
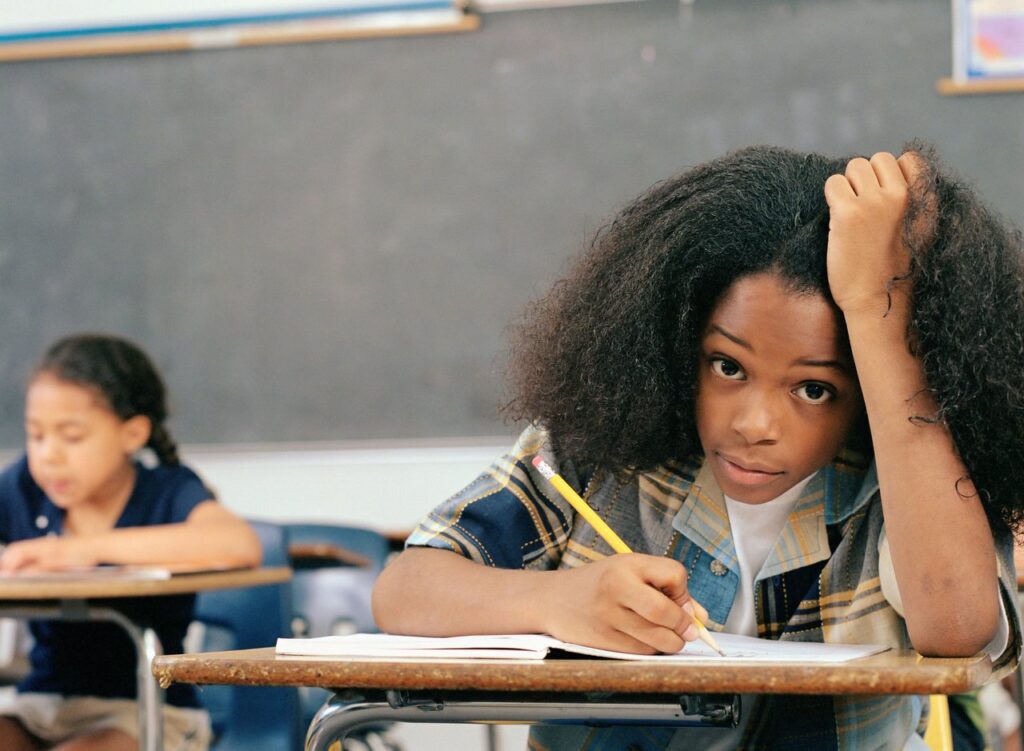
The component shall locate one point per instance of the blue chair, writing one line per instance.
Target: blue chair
(368, 544)
(335, 568)
(247, 718)
(334, 571)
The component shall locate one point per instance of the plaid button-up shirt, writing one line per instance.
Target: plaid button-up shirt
(828, 578)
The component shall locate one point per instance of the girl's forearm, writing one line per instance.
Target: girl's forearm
(432, 592)
(228, 542)
(942, 547)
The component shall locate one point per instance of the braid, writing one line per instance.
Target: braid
(163, 445)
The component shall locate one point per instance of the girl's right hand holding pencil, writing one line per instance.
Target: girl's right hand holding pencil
(629, 603)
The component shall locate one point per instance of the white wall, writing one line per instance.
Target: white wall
(388, 486)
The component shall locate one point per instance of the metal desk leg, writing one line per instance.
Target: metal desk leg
(147, 646)
(150, 695)
(348, 710)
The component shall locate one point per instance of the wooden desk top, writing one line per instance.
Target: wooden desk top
(886, 673)
(109, 586)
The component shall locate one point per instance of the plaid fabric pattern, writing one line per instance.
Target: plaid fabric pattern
(822, 581)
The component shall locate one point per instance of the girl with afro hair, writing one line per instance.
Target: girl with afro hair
(793, 385)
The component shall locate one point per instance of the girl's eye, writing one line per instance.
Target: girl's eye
(815, 393)
(726, 369)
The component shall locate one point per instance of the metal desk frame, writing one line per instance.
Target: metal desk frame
(348, 710)
(73, 599)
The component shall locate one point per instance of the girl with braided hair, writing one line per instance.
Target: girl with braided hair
(80, 498)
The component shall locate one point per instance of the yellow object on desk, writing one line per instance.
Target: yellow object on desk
(606, 532)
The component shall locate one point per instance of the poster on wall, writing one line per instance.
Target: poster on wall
(988, 39)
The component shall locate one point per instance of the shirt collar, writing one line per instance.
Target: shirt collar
(850, 481)
(835, 493)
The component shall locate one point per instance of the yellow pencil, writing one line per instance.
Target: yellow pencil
(606, 532)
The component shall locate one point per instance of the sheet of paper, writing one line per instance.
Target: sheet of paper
(79, 573)
(749, 649)
(535, 646)
(490, 647)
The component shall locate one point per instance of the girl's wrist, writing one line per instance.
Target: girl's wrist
(880, 325)
(544, 603)
(886, 303)
(87, 551)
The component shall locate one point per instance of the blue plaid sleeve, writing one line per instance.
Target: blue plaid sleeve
(503, 518)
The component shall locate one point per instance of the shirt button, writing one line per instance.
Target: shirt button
(718, 568)
(42, 522)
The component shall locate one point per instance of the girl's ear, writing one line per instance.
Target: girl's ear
(135, 432)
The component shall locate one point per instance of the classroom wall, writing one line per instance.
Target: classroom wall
(325, 242)
(388, 487)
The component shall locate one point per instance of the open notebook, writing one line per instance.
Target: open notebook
(539, 646)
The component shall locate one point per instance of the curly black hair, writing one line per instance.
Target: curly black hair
(120, 372)
(607, 360)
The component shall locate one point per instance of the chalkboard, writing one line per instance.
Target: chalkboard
(326, 241)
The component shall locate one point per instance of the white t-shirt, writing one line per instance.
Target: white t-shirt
(755, 529)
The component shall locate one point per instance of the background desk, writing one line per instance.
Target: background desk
(604, 690)
(75, 599)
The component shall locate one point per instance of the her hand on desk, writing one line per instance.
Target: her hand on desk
(630, 603)
(210, 535)
(47, 554)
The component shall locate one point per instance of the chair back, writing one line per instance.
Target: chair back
(247, 718)
(329, 594)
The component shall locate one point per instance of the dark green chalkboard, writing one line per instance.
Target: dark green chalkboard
(325, 241)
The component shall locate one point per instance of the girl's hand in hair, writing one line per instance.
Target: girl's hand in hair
(629, 603)
(867, 257)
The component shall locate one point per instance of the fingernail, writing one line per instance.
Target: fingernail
(691, 633)
(688, 607)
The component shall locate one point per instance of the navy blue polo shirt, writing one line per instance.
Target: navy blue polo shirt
(98, 658)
